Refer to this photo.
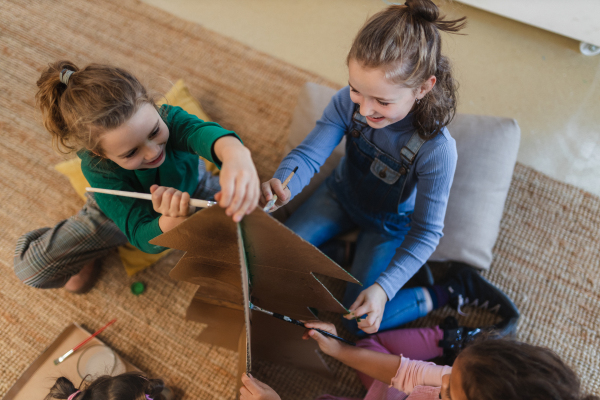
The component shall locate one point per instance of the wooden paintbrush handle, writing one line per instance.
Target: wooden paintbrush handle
(147, 196)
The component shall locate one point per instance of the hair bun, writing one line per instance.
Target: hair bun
(424, 9)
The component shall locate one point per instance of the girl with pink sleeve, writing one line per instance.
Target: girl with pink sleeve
(388, 365)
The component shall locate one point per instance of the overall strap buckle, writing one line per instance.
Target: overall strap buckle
(410, 150)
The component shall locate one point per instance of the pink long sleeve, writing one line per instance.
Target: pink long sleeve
(418, 373)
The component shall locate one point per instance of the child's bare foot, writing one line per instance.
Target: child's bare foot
(85, 279)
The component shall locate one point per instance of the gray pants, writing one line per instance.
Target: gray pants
(48, 257)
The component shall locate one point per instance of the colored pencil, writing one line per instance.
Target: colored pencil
(148, 196)
(74, 349)
(271, 202)
(300, 323)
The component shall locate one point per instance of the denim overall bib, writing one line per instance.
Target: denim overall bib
(365, 191)
(369, 183)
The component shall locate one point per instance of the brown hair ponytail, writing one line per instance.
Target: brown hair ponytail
(50, 91)
(405, 41)
(95, 99)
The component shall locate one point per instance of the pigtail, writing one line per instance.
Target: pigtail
(48, 101)
(437, 109)
(62, 389)
(154, 389)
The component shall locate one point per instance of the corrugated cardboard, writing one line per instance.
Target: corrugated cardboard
(277, 270)
(40, 376)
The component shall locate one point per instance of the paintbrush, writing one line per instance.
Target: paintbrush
(148, 196)
(271, 202)
(74, 349)
(300, 323)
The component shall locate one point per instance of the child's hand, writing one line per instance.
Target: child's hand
(254, 389)
(240, 187)
(327, 345)
(370, 301)
(171, 202)
(267, 189)
(445, 389)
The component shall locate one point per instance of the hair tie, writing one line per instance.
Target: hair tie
(148, 397)
(64, 75)
(72, 396)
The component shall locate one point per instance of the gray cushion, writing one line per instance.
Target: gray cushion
(487, 151)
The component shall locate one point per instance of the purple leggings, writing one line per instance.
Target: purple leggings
(414, 343)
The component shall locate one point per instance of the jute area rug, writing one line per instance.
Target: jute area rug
(546, 257)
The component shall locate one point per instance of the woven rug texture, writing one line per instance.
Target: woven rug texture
(547, 256)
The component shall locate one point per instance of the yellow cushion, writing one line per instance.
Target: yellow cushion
(72, 170)
(135, 260)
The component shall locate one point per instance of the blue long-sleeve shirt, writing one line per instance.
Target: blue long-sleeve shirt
(427, 186)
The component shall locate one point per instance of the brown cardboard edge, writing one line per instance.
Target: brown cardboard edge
(33, 368)
(242, 361)
(246, 292)
(35, 365)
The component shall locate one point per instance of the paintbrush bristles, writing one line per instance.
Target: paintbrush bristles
(253, 307)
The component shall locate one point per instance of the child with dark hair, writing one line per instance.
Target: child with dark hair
(387, 364)
(127, 386)
(394, 180)
(126, 143)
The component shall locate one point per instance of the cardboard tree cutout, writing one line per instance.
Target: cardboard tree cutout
(261, 261)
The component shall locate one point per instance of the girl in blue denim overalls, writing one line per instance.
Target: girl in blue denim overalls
(394, 180)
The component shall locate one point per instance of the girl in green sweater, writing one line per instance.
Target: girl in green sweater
(126, 142)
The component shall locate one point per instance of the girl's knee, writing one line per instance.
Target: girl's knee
(34, 270)
(27, 274)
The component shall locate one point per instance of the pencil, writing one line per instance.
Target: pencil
(300, 323)
(148, 196)
(74, 349)
(271, 202)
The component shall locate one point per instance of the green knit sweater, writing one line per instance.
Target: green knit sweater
(189, 137)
